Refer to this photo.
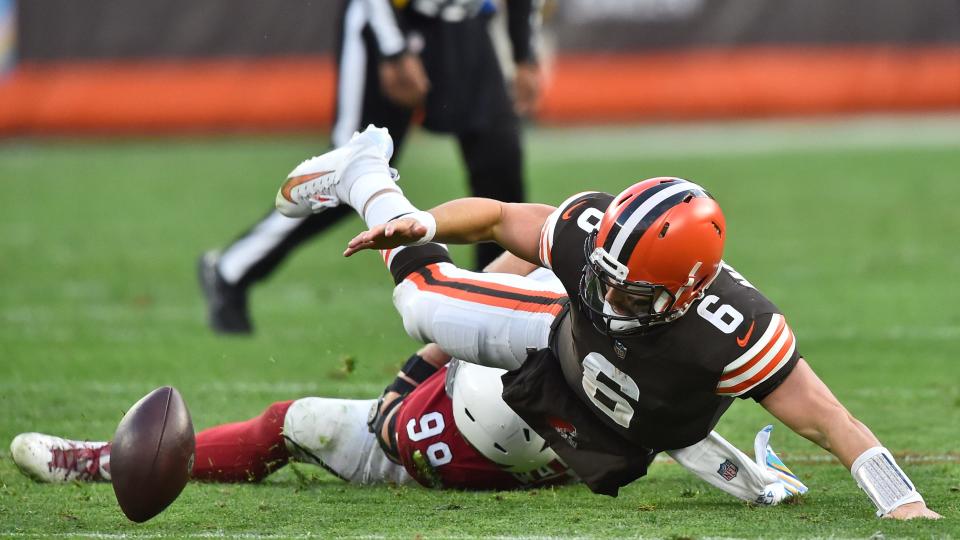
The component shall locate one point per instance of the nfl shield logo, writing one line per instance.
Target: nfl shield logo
(728, 470)
(620, 349)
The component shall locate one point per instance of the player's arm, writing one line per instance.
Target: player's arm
(805, 404)
(515, 226)
(523, 24)
(403, 79)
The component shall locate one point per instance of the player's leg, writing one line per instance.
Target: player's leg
(238, 452)
(490, 140)
(494, 162)
(226, 276)
(488, 318)
(333, 434)
(245, 451)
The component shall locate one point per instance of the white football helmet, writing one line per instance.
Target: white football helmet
(490, 425)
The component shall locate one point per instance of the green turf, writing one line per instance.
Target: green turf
(857, 244)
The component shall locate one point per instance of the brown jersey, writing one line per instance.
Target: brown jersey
(665, 388)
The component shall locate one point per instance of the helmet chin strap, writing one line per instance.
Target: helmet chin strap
(618, 325)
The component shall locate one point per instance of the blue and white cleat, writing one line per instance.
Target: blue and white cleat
(767, 458)
(321, 182)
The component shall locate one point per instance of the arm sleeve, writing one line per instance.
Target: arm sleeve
(387, 27)
(769, 358)
(523, 25)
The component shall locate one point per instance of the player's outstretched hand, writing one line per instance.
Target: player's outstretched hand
(913, 510)
(398, 232)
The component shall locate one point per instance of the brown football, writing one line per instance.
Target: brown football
(152, 454)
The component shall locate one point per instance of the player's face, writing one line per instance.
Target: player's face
(628, 304)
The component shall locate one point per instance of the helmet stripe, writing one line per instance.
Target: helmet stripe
(625, 211)
(654, 214)
(651, 209)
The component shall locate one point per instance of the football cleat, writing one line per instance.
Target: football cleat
(226, 303)
(767, 458)
(46, 458)
(320, 182)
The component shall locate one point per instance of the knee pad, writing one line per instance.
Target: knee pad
(333, 434)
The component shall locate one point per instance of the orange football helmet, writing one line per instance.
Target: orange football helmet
(656, 249)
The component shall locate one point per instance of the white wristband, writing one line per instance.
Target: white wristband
(427, 220)
(886, 484)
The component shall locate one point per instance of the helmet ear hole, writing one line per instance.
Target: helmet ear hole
(717, 227)
(663, 231)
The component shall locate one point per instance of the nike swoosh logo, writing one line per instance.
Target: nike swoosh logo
(299, 180)
(742, 342)
(566, 215)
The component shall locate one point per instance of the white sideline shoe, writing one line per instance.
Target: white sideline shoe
(787, 485)
(46, 458)
(318, 183)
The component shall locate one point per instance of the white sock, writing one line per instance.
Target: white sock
(385, 207)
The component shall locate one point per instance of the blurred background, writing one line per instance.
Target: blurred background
(109, 66)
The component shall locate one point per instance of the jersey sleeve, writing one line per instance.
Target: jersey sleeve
(770, 355)
(387, 27)
(549, 231)
(523, 24)
(569, 225)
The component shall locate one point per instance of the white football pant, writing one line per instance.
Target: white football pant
(473, 327)
(333, 434)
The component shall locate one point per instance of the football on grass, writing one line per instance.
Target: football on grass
(152, 454)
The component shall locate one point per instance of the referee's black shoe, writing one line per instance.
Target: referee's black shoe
(226, 303)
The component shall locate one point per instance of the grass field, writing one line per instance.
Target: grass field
(850, 227)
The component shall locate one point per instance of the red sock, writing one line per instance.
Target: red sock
(243, 451)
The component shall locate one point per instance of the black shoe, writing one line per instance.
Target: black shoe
(226, 303)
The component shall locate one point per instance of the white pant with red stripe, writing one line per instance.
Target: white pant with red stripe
(489, 319)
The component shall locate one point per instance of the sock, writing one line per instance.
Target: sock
(243, 451)
(405, 260)
(385, 207)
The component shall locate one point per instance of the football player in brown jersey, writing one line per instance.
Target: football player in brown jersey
(653, 338)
